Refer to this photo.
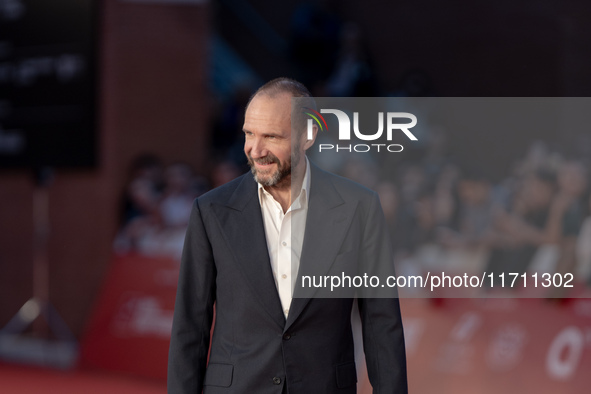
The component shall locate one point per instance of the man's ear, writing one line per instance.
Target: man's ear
(307, 143)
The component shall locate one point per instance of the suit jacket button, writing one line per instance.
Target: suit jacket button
(276, 380)
(287, 336)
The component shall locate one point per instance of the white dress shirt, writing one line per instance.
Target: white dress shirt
(285, 236)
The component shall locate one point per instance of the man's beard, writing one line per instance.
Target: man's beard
(280, 175)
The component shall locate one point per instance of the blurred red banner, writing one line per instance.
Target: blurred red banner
(129, 330)
(498, 345)
(453, 345)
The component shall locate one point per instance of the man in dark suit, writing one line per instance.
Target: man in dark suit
(247, 243)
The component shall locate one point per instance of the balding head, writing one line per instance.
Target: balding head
(282, 85)
(292, 88)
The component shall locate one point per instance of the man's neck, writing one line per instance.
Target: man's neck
(282, 193)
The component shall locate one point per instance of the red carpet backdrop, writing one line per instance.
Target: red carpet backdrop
(463, 345)
(130, 327)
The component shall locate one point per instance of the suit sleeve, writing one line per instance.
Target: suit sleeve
(193, 311)
(383, 337)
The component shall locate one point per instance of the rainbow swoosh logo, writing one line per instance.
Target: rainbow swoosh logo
(315, 115)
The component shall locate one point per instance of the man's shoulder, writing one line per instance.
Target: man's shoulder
(223, 194)
(346, 187)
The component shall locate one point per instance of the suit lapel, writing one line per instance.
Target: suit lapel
(329, 218)
(242, 223)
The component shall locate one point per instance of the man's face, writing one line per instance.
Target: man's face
(267, 145)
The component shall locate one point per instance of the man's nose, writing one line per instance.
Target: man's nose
(257, 148)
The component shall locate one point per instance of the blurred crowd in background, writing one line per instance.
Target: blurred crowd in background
(442, 214)
(157, 201)
(457, 219)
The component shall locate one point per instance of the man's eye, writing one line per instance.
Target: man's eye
(272, 137)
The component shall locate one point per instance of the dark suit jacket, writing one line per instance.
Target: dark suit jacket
(254, 349)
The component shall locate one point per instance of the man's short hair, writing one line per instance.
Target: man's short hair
(294, 89)
(282, 85)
